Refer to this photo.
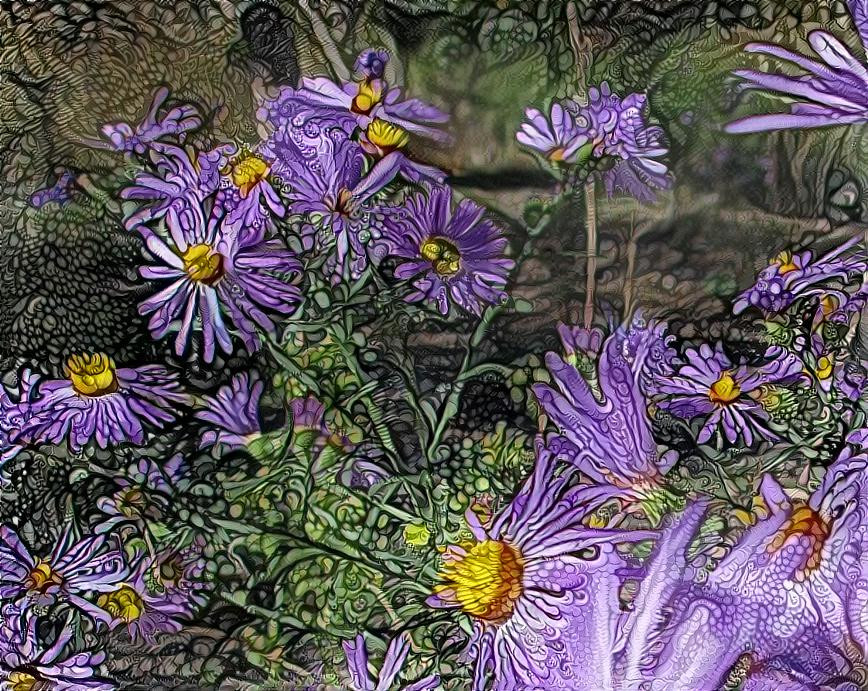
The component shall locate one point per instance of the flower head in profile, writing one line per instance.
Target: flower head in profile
(538, 585)
(233, 412)
(556, 136)
(72, 569)
(248, 195)
(452, 256)
(214, 277)
(727, 396)
(830, 91)
(154, 127)
(358, 666)
(26, 665)
(101, 402)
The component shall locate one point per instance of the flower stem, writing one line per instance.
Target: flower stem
(591, 250)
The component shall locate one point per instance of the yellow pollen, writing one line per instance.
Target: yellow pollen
(370, 94)
(92, 375)
(806, 522)
(825, 366)
(22, 681)
(203, 264)
(486, 582)
(556, 155)
(724, 390)
(828, 304)
(443, 255)
(386, 136)
(785, 263)
(247, 173)
(124, 604)
(42, 578)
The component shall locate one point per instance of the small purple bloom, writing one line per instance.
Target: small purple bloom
(308, 413)
(214, 274)
(101, 402)
(371, 64)
(233, 412)
(124, 137)
(831, 91)
(557, 137)
(68, 572)
(396, 655)
(452, 256)
(25, 665)
(727, 396)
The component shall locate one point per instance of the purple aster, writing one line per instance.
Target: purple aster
(727, 396)
(557, 137)
(233, 412)
(144, 604)
(396, 655)
(124, 137)
(101, 402)
(792, 276)
(452, 256)
(608, 431)
(61, 191)
(830, 91)
(213, 274)
(248, 196)
(25, 665)
(72, 569)
(532, 583)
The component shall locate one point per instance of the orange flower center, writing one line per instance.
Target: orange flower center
(42, 578)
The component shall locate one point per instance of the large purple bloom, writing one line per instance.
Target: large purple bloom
(72, 569)
(727, 396)
(214, 274)
(830, 91)
(396, 655)
(233, 412)
(99, 401)
(533, 582)
(556, 136)
(452, 256)
(26, 665)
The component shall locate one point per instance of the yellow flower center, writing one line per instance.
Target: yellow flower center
(203, 264)
(556, 155)
(124, 604)
(22, 681)
(724, 390)
(825, 367)
(92, 375)
(785, 263)
(42, 578)
(828, 304)
(486, 582)
(247, 173)
(370, 94)
(386, 136)
(443, 255)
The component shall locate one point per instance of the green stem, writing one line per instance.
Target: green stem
(591, 251)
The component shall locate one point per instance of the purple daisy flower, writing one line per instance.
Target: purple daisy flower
(729, 397)
(530, 583)
(144, 604)
(101, 402)
(832, 91)
(27, 666)
(556, 136)
(609, 432)
(396, 655)
(793, 276)
(213, 274)
(71, 570)
(452, 256)
(124, 137)
(233, 412)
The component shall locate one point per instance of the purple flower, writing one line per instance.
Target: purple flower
(178, 575)
(144, 604)
(609, 432)
(27, 666)
(233, 412)
(308, 414)
(248, 196)
(371, 64)
(557, 137)
(533, 583)
(358, 666)
(452, 256)
(124, 137)
(68, 572)
(61, 191)
(831, 91)
(100, 401)
(727, 396)
(790, 277)
(214, 274)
